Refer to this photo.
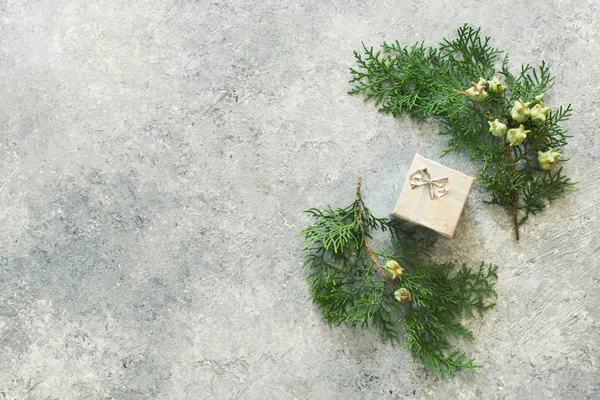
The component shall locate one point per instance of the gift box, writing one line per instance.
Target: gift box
(433, 196)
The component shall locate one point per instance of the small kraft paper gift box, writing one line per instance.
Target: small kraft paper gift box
(433, 196)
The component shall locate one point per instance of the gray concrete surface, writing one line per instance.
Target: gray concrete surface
(155, 158)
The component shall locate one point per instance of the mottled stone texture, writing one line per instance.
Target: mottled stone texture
(155, 158)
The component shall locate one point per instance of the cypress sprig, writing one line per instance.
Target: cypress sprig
(394, 289)
(507, 127)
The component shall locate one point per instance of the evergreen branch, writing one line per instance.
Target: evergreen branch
(518, 154)
(428, 300)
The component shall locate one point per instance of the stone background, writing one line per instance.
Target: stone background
(155, 158)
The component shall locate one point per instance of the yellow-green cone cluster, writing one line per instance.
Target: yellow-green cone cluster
(394, 269)
(548, 158)
(477, 92)
(495, 86)
(402, 295)
(497, 128)
(520, 111)
(516, 136)
(538, 113)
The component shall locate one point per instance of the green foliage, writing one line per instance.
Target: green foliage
(349, 285)
(424, 81)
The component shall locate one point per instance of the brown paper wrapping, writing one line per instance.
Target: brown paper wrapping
(441, 215)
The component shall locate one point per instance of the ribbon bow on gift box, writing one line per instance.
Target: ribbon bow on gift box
(437, 187)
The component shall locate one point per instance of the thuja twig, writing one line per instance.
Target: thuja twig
(431, 299)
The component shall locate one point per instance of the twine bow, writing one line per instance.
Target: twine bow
(421, 177)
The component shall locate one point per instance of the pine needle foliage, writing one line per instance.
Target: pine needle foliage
(424, 81)
(349, 285)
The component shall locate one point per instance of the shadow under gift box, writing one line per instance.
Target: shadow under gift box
(439, 214)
